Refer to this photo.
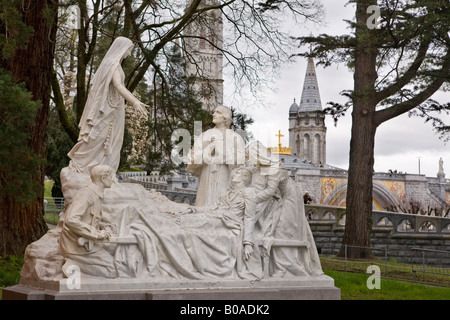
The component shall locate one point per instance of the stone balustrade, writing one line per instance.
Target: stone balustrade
(129, 174)
(393, 234)
(394, 221)
(173, 190)
(415, 223)
(180, 197)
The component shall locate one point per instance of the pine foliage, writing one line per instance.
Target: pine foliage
(18, 162)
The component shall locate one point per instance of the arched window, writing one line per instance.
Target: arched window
(306, 147)
(316, 149)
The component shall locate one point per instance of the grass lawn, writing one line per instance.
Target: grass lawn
(10, 267)
(390, 269)
(354, 287)
(48, 185)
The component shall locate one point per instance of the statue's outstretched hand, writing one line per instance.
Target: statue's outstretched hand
(141, 107)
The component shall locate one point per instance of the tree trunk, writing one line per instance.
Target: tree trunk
(82, 62)
(69, 128)
(21, 224)
(358, 224)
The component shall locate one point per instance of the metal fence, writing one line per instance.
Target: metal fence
(381, 253)
(426, 265)
(429, 261)
(52, 208)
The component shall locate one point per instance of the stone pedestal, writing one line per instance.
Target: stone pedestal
(90, 288)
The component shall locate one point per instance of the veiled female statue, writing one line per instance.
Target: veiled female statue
(103, 120)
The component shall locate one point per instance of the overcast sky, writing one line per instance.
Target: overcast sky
(399, 142)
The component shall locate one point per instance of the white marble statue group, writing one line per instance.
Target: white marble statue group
(248, 222)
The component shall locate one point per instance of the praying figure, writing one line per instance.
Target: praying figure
(216, 152)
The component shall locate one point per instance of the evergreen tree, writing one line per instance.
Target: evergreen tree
(18, 162)
(240, 124)
(27, 37)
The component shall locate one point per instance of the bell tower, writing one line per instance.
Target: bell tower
(204, 59)
(307, 130)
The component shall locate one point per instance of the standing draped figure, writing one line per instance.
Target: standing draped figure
(103, 121)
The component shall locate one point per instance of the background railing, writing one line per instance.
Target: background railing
(420, 268)
(52, 208)
(397, 222)
(428, 261)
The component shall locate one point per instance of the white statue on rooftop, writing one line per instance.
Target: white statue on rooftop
(441, 167)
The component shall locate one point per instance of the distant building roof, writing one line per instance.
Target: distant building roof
(294, 108)
(292, 162)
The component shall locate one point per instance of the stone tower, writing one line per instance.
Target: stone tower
(204, 60)
(307, 130)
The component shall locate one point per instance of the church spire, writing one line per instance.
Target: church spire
(310, 100)
(307, 129)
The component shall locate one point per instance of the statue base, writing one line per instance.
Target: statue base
(91, 288)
